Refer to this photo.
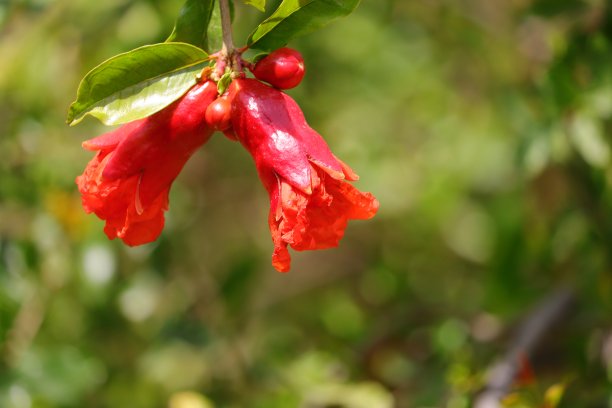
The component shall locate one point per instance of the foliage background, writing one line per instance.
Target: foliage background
(482, 127)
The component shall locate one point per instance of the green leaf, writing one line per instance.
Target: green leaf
(294, 18)
(554, 394)
(258, 4)
(138, 83)
(192, 23)
(224, 82)
(215, 32)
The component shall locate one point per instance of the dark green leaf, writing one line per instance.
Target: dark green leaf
(294, 18)
(258, 4)
(192, 23)
(138, 83)
(215, 33)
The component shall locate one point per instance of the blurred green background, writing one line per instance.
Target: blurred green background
(484, 129)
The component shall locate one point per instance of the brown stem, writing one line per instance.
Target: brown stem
(226, 28)
(537, 324)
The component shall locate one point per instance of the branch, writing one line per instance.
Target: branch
(538, 322)
(226, 28)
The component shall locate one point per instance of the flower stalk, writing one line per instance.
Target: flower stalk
(226, 28)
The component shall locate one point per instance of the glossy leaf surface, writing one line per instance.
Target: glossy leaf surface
(138, 83)
(294, 18)
(192, 23)
(258, 4)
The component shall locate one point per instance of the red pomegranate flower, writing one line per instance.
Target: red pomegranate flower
(310, 200)
(127, 182)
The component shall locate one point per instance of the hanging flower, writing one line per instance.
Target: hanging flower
(128, 181)
(310, 198)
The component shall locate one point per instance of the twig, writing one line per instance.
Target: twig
(226, 28)
(538, 322)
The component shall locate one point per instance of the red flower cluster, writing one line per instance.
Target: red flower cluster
(127, 182)
(311, 202)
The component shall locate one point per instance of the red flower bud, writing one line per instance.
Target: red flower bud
(283, 68)
(310, 200)
(218, 114)
(128, 181)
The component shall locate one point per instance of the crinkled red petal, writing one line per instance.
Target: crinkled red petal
(317, 220)
(127, 182)
(115, 202)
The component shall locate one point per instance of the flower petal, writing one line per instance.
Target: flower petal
(127, 183)
(318, 220)
(310, 200)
